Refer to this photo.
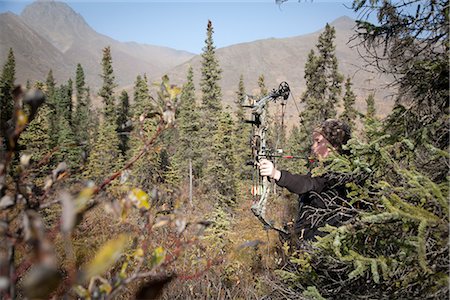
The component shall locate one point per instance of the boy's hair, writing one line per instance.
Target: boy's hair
(336, 132)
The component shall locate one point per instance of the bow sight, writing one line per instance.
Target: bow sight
(282, 91)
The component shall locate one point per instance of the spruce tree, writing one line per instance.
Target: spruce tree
(242, 133)
(82, 118)
(36, 138)
(323, 84)
(398, 234)
(64, 103)
(294, 147)
(68, 149)
(123, 121)
(221, 180)
(370, 110)
(62, 130)
(415, 50)
(69, 101)
(211, 106)
(262, 85)
(105, 156)
(211, 74)
(6, 88)
(80, 84)
(50, 92)
(108, 86)
(330, 78)
(349, 114)
(142, 100)
(94, 125)
(167, 102)
(188, 124)
(145, 169)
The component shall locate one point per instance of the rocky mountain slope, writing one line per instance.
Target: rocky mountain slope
(284, 60)
(51, 35)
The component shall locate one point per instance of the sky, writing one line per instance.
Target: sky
(182, 24)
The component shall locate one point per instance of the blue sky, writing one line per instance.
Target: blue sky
(182, 24)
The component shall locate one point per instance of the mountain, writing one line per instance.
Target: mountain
(50, 35)
(284, 60)
(34, 55)
(54, 28)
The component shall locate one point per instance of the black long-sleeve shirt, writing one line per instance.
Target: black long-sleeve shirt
(309, 188)
(301, 183)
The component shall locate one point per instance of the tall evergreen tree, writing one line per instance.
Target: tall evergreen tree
(294, 147)
(82, 118)
(68, 149)
(142, 99)
(415, 50)
(123, 122)
(69, 101)
(188, 124)
(221, 180)
(211, 74)
(145, 169)
(108, 86)
(51, 94)
(370, 103)
(211, 106)
(62, 133)
(64, 103)
(371, 124)
(94, 125)
(36, 139)
(105, 156)
(167, 101)
(242, 133)
(330, 78)
(80, 84)
(6, 88)
(262, 85)
(349, 114)
(323, 84)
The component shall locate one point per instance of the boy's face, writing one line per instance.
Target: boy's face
(320, 147)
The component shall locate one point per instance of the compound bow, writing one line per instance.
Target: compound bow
(260, 151)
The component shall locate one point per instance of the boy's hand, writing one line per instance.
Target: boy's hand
(266, 168)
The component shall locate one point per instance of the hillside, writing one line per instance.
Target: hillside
(284, 60)
(52, 35)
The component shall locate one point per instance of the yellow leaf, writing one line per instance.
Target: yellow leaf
(83, 198)
(158, 256)
(139, 198)
(106, 288)
(139, 252)
(174, 92)
(81, 292)
(123, 270)
(108, 254)
(22, 118)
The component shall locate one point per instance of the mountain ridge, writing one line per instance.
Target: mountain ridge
(39, 47)
(57, 24)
